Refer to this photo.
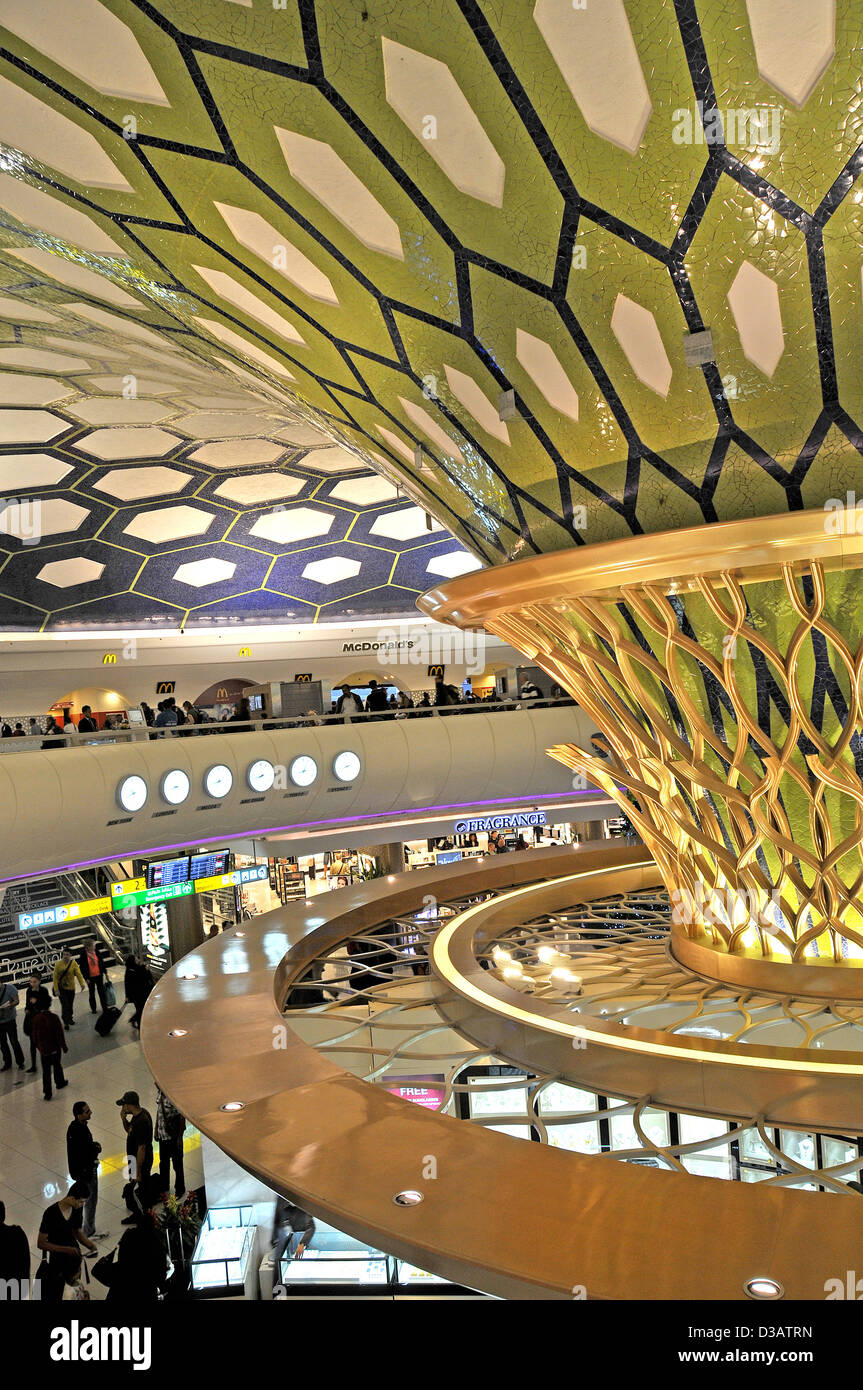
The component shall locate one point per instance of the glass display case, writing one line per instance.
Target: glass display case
(496, 1096)
(223, 1263)
(714, 1162)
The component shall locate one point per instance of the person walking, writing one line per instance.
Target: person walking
(170, 1128)
(138, 1127)
(93, 967)
(60, 1239)
(9, 1043)
(138, 984)
(82, 1157)
(51, 1042)
(67, 973)
(36, 998)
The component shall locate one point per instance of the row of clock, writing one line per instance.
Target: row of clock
(175, 785)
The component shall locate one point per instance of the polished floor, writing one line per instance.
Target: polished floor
(33, 1131)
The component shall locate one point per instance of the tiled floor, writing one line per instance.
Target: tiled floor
(33, 1131)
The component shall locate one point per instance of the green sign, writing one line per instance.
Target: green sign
(152, 895)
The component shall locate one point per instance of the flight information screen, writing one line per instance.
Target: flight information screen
(168, 871)
(208, 865)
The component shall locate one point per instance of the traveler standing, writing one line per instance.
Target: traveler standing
(167, 716)
(36, 998)
(170, 1128)
(9, 1043)
(14, 1251)
(82, 1157)
(51, 1042)
(87, 724)
(67, 973)
(91, 962)
(54, 736)
(138, 1126)
(60, 1239)
(348, 703)
(5, 728)
(377, 700)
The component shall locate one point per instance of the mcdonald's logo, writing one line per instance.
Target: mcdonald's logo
(245, 651)
(165, 687)
(221, 693)
(436, 671)
(304, 677)
(109, 659)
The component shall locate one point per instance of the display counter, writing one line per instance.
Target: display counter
(224, 1263)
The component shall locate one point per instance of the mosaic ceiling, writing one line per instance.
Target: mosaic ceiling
(466, 245)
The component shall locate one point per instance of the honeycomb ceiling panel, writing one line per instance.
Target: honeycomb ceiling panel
(460, 252)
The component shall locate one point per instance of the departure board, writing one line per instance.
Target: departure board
(168, 871)
(207, 865)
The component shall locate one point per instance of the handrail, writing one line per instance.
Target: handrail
(145, 733)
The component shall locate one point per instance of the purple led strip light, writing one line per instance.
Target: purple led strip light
(308, 825)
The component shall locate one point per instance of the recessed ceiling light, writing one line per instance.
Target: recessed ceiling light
(763, 1288)
(233, 1105)
(177, 1033)
(188, 977)
(409, 1198)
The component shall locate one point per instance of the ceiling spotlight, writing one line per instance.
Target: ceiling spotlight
(513, 972)
(234, 1105)
(239, 934)
(177, 1033)
(188, 977)
(546, 954)
(500, 954)
(763, 1288)
(410, 1198)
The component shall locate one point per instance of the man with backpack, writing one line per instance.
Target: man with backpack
(67, 974)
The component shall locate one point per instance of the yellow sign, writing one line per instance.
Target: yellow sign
(245, 651)
(128, 885)
(67, 912)
(109, 659)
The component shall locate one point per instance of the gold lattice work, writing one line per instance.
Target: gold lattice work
(731, 716)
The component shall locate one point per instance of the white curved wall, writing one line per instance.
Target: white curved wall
(59, 807)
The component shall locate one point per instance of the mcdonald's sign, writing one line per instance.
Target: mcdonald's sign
(109, 659)
(165, 687)
(245, 651)
(304, 677)
(436, 671)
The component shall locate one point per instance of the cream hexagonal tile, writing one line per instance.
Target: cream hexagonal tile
(29, 426)
(238, 453)
(795, 41)
(364, 492)
(17, 389)
(41, 360)
(245, 348)
(142, 385)
(31, 519)
(292, 524)
(232, 292)
(453, 563)
(120, 411)
(474, 400)
(257, 235)
(127, 328)
(115, 64)
(332, 570)
(542, 366)
(19, 312)
(223, 401)
(77, 276)
(131, 444)
(173, 523)
(423, 91)
(36, 208)
(28, 124)
(431, 429)
(331, 460)
(65, 574)
(754, 300)
(405, 525)
(201, 573)
(593, 46)
(214, 424)
(256, 489)
(134, 484)
(635, 329)
(319, 169)
(19, 472)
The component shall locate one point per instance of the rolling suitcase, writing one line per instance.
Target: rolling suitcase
(106, 1020)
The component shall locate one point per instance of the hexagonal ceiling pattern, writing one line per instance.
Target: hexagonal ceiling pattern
(462, 246)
